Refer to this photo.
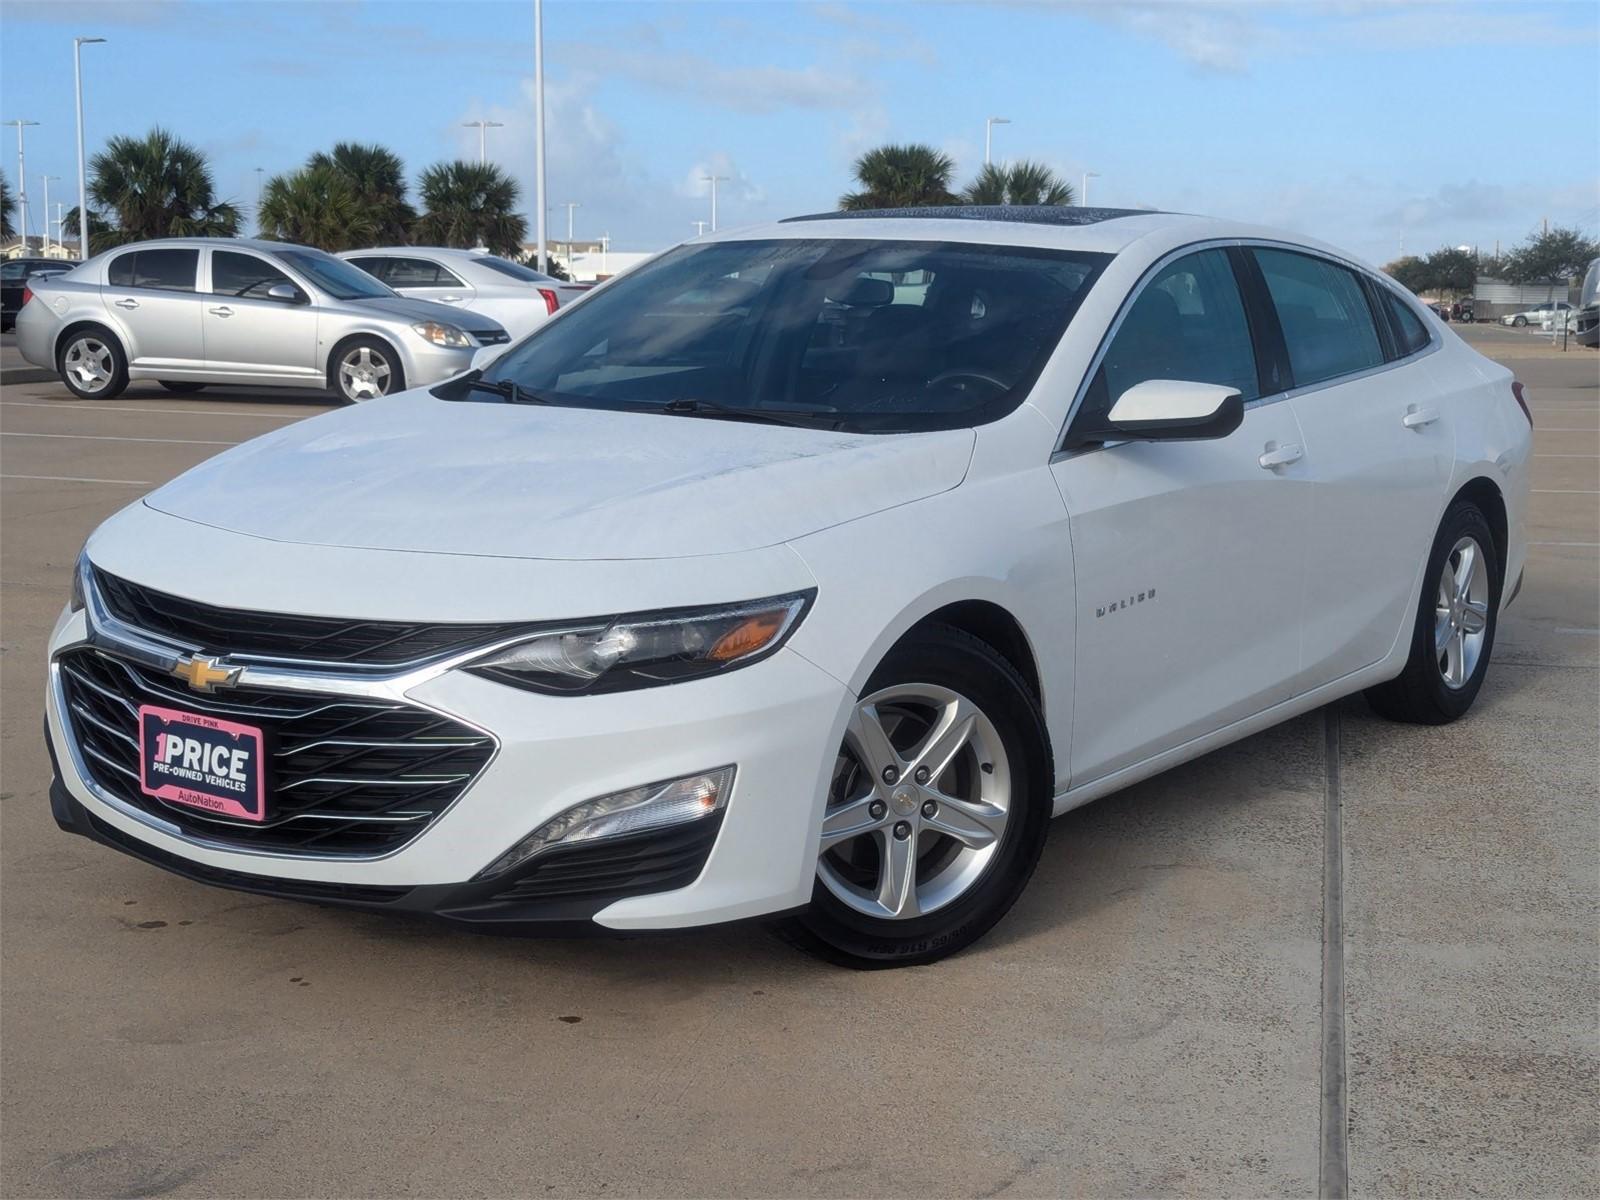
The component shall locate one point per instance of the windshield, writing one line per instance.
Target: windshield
(333, 275)
(850, 334)
(515, 270)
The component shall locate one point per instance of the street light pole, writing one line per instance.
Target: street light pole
(699, 228)
(988, 134)
(22, 184)
(713, 180)
(78, 43)
(538, 131)
(46, 180)
(483, 128)
(1083, 196)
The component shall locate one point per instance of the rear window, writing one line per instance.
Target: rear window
(1327, 322)
(515, 270)
(847, 334)
(168, 270)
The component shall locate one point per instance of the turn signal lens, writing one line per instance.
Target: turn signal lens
(748, 637)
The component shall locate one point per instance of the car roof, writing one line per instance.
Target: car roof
(226, 243)
(445, 251)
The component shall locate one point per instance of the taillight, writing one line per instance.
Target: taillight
(550, 300)
(27, 294)
(1522, 401)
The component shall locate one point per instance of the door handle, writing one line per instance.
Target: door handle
(222, 310)
(1281, 456)
(1416, 418)
(126, 303)
(452, 299)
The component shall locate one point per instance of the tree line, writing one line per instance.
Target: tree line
(914, 175)
(1554, 255)
(351, 196)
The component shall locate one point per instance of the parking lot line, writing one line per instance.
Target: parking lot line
(80, 479)
(102, 437)
(178, 412)
(1566, 492)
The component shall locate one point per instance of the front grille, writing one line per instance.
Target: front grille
(490, 337)
(326, 640)
(347, 775)
(637, 865)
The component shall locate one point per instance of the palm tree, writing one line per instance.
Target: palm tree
(1021, 182)
(317, 206)
(101, 235)
(901, 177)
(378, 177)
(7, 203)
(158, 186)
(470, 204)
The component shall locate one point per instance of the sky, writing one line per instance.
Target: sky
(1382, 127)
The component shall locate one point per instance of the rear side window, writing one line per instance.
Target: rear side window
(1188, 323)
(1409, 330)
(418, 272)
(375, 265)
(171, 270)
(1327, 323)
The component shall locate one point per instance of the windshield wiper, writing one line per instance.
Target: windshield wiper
(509, 389)
(764, 416)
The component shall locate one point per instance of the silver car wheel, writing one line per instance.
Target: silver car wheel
(89, 362)
(1461, 612)
(920, 799)
(364, 373)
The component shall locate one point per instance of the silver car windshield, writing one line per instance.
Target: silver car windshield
(872, 336)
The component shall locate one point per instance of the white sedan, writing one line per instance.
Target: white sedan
(515, 295)
(804, 572)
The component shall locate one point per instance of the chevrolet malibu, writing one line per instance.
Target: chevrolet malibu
(189, 312)
(802, 573)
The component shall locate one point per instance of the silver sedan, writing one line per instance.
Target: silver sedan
(188, 312)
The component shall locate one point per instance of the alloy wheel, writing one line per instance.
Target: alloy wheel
(1461, 612)
(90, 363)
(364, 374)
(920, 799)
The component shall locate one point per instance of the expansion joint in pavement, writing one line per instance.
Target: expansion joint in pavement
(1333, 1168)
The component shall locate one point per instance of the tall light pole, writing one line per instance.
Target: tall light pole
(483, 128)
(1083, 196)
(538, 131)
(713, 180)
(78, 43)
(988, 134)
(699, 228)
(46, 179)
(22, 184)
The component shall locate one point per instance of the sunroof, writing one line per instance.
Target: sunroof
(1030, 214)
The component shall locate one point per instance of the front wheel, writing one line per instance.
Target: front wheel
(1455, 625)
(937, 811)
(365, 369)
(92, 365)
(1519, 322)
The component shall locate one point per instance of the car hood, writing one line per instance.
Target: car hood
(412, 472)
(425, 310)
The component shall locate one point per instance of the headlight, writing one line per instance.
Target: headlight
(443, 335)
(75, 600)
(613, 654)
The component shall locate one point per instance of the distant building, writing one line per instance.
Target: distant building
(586, 262)
(1494, 298)
(34, 247)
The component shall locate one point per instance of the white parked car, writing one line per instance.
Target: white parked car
(807, 570)
(1539, 314)
(515, 295)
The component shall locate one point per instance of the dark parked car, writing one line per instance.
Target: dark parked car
(14, 275)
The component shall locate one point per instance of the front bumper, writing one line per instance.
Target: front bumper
(426, 364)
(777, 722)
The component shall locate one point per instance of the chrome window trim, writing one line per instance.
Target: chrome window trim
(112, 637)
(1060, 453)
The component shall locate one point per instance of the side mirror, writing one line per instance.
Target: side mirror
(485, 355)
(1167, 410)
(287, 293)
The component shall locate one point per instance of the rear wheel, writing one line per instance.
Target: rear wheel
(364, 369)
(938, 807)
(1454, 631)
(181, 389)
(92, 365)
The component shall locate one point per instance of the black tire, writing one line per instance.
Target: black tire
(1420, 694)
(99, 346)
(181, 389)
(949, 658)
(1519, 322)
(377, 351)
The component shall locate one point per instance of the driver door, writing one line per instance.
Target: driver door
(251, 336)
(1189, 555)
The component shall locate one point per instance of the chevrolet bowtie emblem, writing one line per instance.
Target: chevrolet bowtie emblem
(204, 675)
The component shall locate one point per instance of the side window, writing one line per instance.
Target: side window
(162, 270)
(1188, 323)
(1409, 330)
(1327, 323)
(243, 275)
(120, 272)
(418, 272)
(14, 271)
(375, 265)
